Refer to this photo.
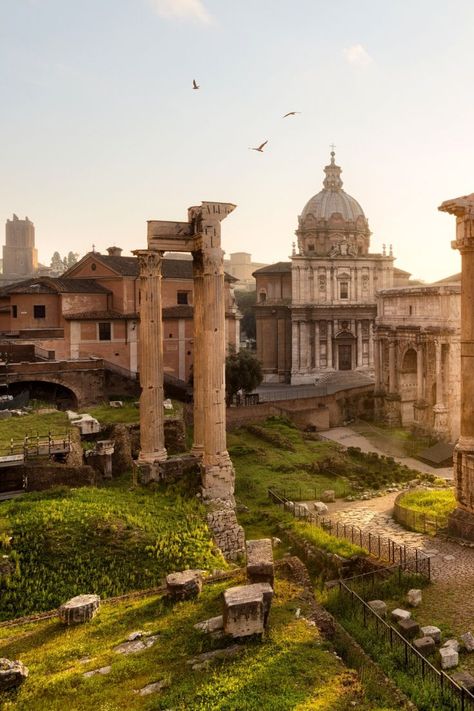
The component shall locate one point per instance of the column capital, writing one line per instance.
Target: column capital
(149, 261)
(463, 208)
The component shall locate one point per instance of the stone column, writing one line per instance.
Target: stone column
(462, 520)
(440, 410)
(329, 345)
(378, 365)
(198, 354)
(392, 367)
(371, 344)
(359, 344)
(328, 284)
(392, 400)
(304, 343)
(419, 373)
(317, 346)
(152, 438)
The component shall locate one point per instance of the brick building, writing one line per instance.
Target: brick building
(92, 310)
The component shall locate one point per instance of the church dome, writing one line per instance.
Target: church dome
(332, 199)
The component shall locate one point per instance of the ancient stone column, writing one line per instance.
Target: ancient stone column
(462, 520)
(198, 355)
(440, 425)
(419, 373)
(152, 438)
(329, 344)
(371, 344)
(377, 363)
(317, 346)
(392, 367)
(392, 400)
(359, 344)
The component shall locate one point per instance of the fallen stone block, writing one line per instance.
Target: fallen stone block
(328, 496)
(213, 624)
(202, 661)
(468, 641)
(115, 403)
(260, 561)
(71, 415)
(399, 614)
(79, 609)
(93, 672)
(5, 414)
(320, 508)
(151, 688)
(276, 541)
(414, 597)
(167, 404)
(184, 585)
(136, 645)
(408, 628)
(464, 679)
(431, 631)
(246, 609)
(449, 657)
(87, 424)
(378, 606)
(452, 643)
(425, 645)
(12, 674)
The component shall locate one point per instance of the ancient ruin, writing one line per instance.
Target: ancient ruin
(461, 521)
(200, 235)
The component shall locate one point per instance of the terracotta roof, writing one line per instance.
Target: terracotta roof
(106, 315)
(55, 285)
(277, 268)
(453, 279)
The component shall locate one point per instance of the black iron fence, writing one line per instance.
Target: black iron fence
(380, 547)
(418, 521)
(407, 657)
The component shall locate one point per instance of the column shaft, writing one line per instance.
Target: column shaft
(419, 373)
(317, 346)
(198, 352)
(359, 344)
(392, 368)
(439, 373)
(329, 344)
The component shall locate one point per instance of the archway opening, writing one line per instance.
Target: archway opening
(59, 395)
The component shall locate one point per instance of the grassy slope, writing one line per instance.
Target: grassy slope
(291, 669)
(107, 540)
(32, 424)
(435, 502)
(128, 414)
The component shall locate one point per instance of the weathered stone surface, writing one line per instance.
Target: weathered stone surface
(136, 645)
(328, 496)
(414, 597)
(408, 628)
(213, 624)
(228, 534)
(399, 614)
(260, 561)
(79, 609)
(5, 414)
(184, 585)
(425, 645)
(116, 403)
(276, 541)
(432, 631)
(452, 643)
(464, 679)
(378, 606)
(152, 688)
(320, 508)
(202, 661)
(246, 609)
(135, 635)
(93, 672)
(449, 658)
(12, 673)
(87, 424)
(468, 641)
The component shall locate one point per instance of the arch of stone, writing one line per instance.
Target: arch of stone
(201, 236)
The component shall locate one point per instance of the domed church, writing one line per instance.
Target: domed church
(316, 314)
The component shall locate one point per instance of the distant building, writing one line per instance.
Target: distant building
(20, 256)
(241, 267)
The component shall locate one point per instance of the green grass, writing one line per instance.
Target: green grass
(128, 414)
(432, 502)
(291, 669)
(17, 427)
(105, 540)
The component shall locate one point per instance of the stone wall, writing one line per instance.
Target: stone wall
(44, 476)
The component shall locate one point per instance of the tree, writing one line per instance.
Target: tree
(243, 371)
(72, 258)
(246, 301)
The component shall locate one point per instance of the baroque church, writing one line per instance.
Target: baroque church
(316, 314)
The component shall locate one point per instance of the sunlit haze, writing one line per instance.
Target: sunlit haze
(102, 130)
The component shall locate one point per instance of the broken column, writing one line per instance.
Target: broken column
(461, 521)
(81, 608)
(184, 585)
(152, 438)
(260, 561)
(246, 609)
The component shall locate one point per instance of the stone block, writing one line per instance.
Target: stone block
(213, 624)
(468, 641)
(12, 674)
(184, 585)
(414, 597)
(399, 614)
(449, 658)
(464, 679)
(328, 496)
(378, 606)
(87, 424)
(260, 561)
(246, 609)
(425, 645)
(431, 631)
(5, 414)
(320, 508)
(408, 628)
(79, 609)
(115, 403)
(452, 643)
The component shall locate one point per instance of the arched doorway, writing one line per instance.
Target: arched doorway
(408, 376)
(345, 351)
(59, 395)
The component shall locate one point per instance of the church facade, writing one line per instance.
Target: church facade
(316, 314)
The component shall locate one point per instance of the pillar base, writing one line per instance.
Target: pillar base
(440, 425)
(393, 415)
(461, 524)
(151, 457)
(218, 480)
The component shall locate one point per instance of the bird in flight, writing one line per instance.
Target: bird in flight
(195, 86)
(260, 147)
(291, 113)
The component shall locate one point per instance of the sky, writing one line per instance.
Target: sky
(101, 130)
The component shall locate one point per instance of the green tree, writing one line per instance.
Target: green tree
(243, 371)
(246, 301)
(72, 258)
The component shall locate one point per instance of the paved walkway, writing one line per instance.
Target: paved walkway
(350, 438)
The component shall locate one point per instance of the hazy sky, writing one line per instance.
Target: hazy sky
(101, 129)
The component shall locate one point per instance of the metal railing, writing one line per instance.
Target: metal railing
(418, 521)
(39, 445)
(378, 546)
(408, 657)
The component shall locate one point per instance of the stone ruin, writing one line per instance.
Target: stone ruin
(201, 236)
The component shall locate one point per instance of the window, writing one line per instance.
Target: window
(39, 311)
(263, 297)
(410, 309)
(183, 297)
(344, 290)
(105, 331)
(14, 311)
